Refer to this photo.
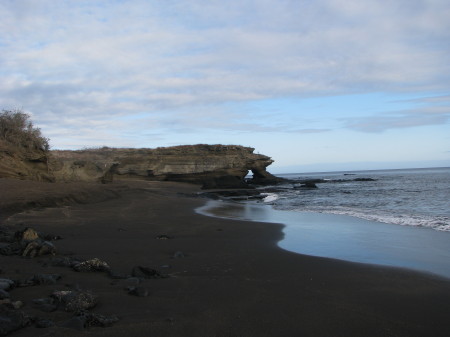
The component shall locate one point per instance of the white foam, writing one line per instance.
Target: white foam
(270, 197)
(437, 223)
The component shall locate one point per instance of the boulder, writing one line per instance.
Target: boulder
(76, 300)
(39, 247)
(11, 320)
(28, 234)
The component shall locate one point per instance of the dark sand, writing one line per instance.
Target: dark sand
(232, 281)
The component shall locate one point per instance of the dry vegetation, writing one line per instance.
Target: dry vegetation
(17, 130)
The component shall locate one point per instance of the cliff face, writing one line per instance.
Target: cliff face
(213, 166)
(23, 163)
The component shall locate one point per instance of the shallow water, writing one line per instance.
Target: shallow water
(347, 238)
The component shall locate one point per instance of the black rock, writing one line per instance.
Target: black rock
(76, 300)
(3, 294)
(92, 265)
(145, 272)
(45, 304)
(64, 261)
(308, 185)
(138, 291)
(39, 247)
(14, 248)
(92, 319)
(6, 284)
(12, 320)
(43, 323)
(45, 278)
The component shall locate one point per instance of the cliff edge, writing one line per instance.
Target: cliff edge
(213, 166)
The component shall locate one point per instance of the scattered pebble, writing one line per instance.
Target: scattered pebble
(138, 291)
(178, 255)
(6, 284)
(145, 272)
(43, 323)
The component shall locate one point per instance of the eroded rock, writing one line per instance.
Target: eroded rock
(28, 234)
(38, 248)
(92, 265)
(213, 166)
(76, 300)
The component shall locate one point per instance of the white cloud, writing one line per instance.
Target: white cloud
(101, 60)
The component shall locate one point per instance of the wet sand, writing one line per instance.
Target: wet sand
(347, 238)
(229, 278)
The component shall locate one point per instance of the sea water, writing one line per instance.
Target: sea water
(392, 217)
(414, 197)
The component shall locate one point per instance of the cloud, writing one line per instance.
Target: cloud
(400, 119)
(101, 60)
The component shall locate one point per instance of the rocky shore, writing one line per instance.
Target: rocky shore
(133, 258)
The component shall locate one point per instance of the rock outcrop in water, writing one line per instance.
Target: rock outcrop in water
(213, 166)
(210, 165)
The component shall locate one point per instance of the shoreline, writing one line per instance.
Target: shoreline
(345, 237)
(226, 277)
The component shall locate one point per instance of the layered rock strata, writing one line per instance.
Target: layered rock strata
(24, 163)
(213, 166)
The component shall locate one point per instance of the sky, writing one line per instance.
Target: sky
(317, 85)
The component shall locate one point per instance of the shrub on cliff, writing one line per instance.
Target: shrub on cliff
(17, 130)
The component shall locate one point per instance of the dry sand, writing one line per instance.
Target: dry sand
(230, 279)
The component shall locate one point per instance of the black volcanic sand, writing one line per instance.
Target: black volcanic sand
(226, 278)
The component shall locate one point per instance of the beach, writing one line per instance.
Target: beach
(221, 277)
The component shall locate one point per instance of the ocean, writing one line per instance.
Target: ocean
(414, 197)
(397, 218)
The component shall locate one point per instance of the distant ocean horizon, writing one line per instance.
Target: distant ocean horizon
(394, 217)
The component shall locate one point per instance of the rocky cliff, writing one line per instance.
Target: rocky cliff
(24, 163)
(213, 166)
